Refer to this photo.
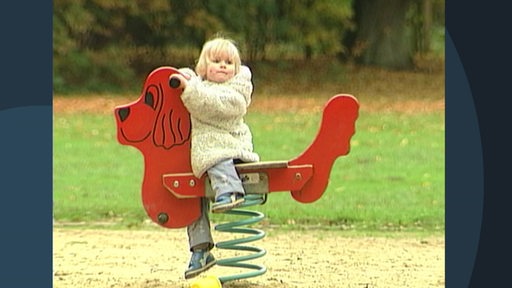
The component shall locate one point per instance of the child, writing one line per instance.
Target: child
(217, 99)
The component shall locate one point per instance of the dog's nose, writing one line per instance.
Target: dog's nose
(123, 113)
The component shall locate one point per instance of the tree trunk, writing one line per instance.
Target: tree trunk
(381, 37)
(427, 25)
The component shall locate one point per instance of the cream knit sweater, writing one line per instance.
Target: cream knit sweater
(217, 112)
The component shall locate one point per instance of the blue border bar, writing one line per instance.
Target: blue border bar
(26, 144)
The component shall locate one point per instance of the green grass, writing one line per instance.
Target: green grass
(392, 180)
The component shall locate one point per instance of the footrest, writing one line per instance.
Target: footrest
(257, 178)
(253, 183)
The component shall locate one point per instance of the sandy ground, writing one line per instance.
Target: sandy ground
(158, 257)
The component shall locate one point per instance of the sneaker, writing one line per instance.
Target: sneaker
(227, 202)
(200, 261)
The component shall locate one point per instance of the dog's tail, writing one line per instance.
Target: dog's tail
(332, 141)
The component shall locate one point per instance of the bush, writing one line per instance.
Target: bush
(91, 71)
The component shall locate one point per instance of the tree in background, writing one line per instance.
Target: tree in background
(111, 44)
(316, 27)
(95, 41)
(389, 33)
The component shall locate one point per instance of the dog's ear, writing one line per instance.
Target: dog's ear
(172, 125)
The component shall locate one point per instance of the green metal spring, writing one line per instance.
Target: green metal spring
(236, 244)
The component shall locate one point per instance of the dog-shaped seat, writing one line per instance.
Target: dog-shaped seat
(158, 124)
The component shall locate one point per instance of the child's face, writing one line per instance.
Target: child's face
(220, 68)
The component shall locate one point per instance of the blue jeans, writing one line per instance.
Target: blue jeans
(199, 231)
(224, 179)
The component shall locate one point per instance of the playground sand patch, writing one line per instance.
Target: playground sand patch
(316, 258)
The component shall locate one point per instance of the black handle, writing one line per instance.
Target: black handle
(174, 82)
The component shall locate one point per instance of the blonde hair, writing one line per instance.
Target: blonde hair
(215, 47)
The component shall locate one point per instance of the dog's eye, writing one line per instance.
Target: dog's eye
(149, 99)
